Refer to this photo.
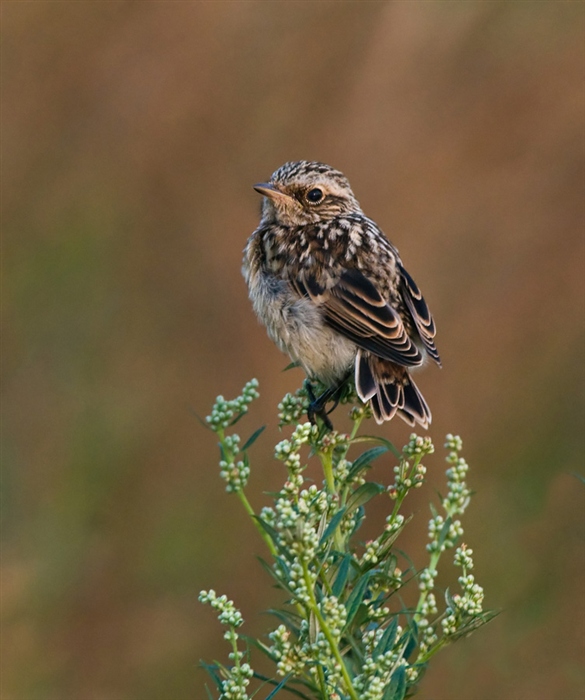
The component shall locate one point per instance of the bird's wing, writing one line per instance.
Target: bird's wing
(354, 307)
(422, 317)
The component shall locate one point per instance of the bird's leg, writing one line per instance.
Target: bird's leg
(319, 403)
(338, 393)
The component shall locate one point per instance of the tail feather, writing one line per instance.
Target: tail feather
(365, 382)
(388, 406)
(390, 390)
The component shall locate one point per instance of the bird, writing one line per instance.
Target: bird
(333, 294)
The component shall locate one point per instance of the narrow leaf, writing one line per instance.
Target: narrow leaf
(292, 365)
(444, 531)
(341, 578)
(238, 418)
(383, 441)
(204, 423)
(252, 439)
(356, 598)
(388, 639)
(280, 583)
(365, 460)
(281, 685)
(363, 494)
(212, 671)
(396, 689)
(272, 533)
(259, 645)
(410, 639)
(287, 619)
(334, 522)
(292, 691)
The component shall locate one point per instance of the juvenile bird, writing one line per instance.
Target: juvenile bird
(333, 293)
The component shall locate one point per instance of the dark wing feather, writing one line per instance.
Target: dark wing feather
(420, 313)
(355, 308)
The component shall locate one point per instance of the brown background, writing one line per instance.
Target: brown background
(132, 133)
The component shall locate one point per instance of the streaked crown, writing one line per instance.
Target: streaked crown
(303, 192)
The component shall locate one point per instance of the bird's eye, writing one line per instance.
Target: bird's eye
(315, 195)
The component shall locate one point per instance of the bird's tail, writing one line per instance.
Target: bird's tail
(390, 390)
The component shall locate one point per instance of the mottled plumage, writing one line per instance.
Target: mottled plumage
(333, 293)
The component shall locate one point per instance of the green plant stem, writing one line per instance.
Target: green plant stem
(322, 682)
(423, 658)
(234, 642)
(435, 556)
(327, 463)
(327, 632)
(265, 536)
(356, 427)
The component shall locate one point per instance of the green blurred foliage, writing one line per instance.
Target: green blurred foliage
(131, 135)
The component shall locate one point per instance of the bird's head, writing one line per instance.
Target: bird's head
(304, 192)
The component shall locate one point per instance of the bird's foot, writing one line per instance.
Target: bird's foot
(318, 404)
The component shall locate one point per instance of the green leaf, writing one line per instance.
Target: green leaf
(333, 524)
(237, 418)
(342, 574)
(396, 689)
(360, 517)
(356, 598)
(204, 423)
(212, 671)
(280, 686)
(410, 639)
(288, 619)
(252, 439)
(272, 533)
(363, 494)
(390, 565)
(208, 692)
(292, 365)
(365, 460)
(474, 623)
(444, 531)
(259, 645)
(292, 691)
(387, 639)
(383, 441)
(280, 583)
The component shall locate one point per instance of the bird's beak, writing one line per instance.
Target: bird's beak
(271, 191)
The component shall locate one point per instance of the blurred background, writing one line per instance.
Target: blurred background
(131, 134)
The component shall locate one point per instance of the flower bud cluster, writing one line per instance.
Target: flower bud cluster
(471, 602)
(436, 525)
(224, 411)
(234, 688)
(288, 451)
(429, 607)
(418, 446)
(405, 479)
(234, 473)
(334, 614)
(333, 441)
(291, 658)
(297, 583)
(426, 579)
(458, 494)
(292, 408)
(377, 672)
(228, 613)
(239, 675)
(394, 523)
(428, 636)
